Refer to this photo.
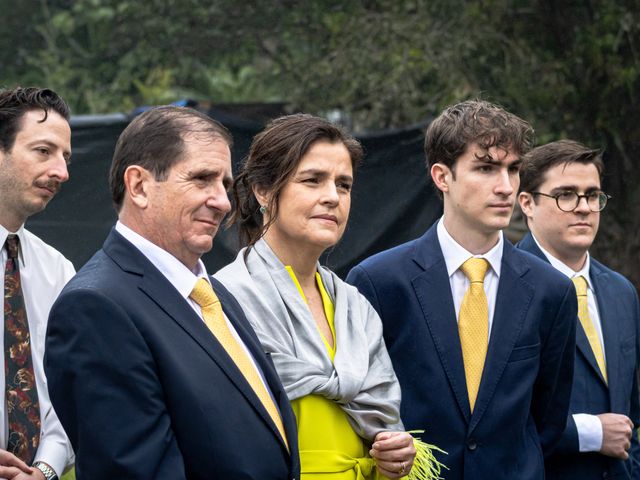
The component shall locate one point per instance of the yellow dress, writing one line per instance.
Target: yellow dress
(329, 447)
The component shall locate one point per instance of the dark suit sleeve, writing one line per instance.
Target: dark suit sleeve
(359, 278)
(106, 391)
(634, 411)
(569, 440)
(552, 392)
(634, 451)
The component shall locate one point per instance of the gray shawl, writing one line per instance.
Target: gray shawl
(361, 378)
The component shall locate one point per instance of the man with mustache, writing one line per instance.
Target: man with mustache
(481, 335)
(561, 198)
(35, 147)
(153, 367)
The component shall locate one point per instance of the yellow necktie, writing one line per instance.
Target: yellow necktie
(585, 320)
(473, 325)
(204, 296)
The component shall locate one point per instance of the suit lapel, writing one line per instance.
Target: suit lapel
(163, 293)
(582, 343)
(512, 303)
(610, 331)
(584, 349)
(433, 291)
(528, 244)
(156, 286)
(234, 312)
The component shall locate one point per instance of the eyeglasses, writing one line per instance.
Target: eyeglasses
(569, 200)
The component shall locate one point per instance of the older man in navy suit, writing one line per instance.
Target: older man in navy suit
(481, 335)
(562, 198)
(154, 373)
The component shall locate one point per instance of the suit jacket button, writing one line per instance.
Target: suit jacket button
(471, 444)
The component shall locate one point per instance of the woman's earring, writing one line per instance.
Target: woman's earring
(263, 209)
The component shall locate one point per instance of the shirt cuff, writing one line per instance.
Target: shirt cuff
(589, 432)
(53, 454)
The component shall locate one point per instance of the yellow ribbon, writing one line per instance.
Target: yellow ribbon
(330, 461)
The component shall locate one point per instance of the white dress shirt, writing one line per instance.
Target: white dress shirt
(455, 255)
(183, 279)
(588, 426)
(43, 273)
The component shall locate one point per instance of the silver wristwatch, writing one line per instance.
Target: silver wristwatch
(48, 472)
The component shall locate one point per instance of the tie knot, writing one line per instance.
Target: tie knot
(203, 294)
(475, 269)
(12, 245)
(581, 285)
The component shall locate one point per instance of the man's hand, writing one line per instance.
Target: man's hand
(11, 466)
(394, 453)
(34, 475)
(616, 435)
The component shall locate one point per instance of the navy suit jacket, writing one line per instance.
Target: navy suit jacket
(523, 398)
(618, 309)
(143, 388)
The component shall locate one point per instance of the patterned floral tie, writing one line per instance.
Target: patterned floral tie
(21, 392)
(473, 325)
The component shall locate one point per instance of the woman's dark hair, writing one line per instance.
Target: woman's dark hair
(273, 158)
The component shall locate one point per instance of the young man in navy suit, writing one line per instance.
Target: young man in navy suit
(561, 197)
(153, 367)
(481, 335)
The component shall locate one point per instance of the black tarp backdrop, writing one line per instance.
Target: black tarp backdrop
(392, 200)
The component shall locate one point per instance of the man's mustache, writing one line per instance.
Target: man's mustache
(53, 185)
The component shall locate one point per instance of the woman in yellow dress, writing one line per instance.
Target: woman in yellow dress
(292, 200)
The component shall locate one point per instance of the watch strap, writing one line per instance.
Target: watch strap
(48, 472)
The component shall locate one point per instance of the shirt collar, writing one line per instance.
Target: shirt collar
(173, 269)
(24, 246)
(455, 254)
(563, 268)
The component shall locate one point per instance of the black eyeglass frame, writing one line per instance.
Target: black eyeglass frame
(601, 195)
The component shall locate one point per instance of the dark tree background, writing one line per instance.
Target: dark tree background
(572, 68)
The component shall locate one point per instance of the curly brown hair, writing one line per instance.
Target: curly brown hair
(474, 121)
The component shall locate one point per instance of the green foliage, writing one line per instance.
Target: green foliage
(385, 62)
(571, 68)
(70, 475)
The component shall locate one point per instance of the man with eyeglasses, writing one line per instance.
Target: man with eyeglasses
(561, 198)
